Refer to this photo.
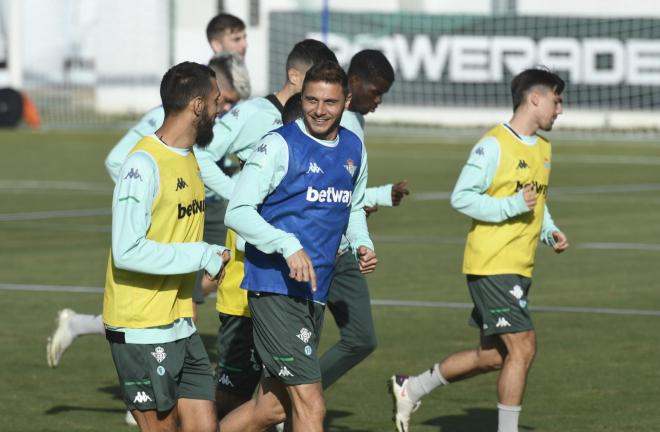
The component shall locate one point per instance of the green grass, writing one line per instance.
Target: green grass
(593, 372)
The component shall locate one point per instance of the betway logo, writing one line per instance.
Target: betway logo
(484, 59)
(536, 187)
(192, 208)
(329, 195)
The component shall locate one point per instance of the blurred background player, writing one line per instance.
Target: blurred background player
(503, 188)
(163, 368)
(226, 33)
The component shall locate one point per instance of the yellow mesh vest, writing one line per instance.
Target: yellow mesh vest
(139, 300)
(232, 300)
(510, 246)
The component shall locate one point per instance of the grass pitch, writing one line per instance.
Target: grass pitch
(594, 371)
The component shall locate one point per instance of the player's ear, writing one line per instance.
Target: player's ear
(349, 96)
(295, 77)
(354, 81)
(216, 46)
(534, 98)
(197, 106)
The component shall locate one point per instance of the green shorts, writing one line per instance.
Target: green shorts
(500, 303)
(155, 376)
(287, 331)
(215, 232)
(239, 366)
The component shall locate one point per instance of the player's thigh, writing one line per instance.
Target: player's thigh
(148, 374)
(196, 379)
(197, 415)
(500, 303)
(239, 366)
(286, 336)
(349, 300)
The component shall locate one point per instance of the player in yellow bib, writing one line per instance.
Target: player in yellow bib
(157, 225)
(503, 188)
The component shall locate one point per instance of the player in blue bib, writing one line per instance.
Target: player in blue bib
(302, 188)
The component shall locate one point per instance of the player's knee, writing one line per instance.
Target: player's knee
(524, 349)
(314, 408)
(490, 360)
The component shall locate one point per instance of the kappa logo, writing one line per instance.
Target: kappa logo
(304, 335)
(180, 184)
(159, 354)
(522, 164)
(350, 167)
(479, 151)
(277, 122)
(517, 292)
(235, 112)
(133, 174)
(224, 380)
(314, 169)
(502, 322)
(142, 397)
(284, 372)
(262, 149)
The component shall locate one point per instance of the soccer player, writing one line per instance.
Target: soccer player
(226, 32)
(299, 192)
(231, 75)
(503, 188)
(370, 76)
(157, 225)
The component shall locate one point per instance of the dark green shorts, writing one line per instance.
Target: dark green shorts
(239, 366)
(155, 376)
(500, 303)
(286, 335)
(215, 232)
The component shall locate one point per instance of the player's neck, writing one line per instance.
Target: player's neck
(285, 93)
(176, 133)
(522, 125)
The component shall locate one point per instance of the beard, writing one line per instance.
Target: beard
(205, 131)
(321, 134)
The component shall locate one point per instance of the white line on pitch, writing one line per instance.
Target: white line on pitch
(53, 214)
(375, 302)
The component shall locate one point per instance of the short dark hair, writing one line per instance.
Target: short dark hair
(529, 78)
(292, 108)
(222, 22)
(327, 71)
(309, 52)
(183, 83)
(371, 65)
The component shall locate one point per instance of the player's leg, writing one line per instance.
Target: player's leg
(196, 389)
(307, 407)
(239, 367)
(268, 408)
(350, 306)
(70, 325)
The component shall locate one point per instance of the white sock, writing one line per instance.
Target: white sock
(424, 383)
(83, 324)
(508, 418)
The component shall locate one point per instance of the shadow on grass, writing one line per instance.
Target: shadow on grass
(332, 415)
(474, 420)
(115, 391)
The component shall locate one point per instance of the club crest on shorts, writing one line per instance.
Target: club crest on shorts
(159, 354)
(350, 167)
(304, 335)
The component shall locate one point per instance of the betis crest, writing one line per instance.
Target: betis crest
(350, 167)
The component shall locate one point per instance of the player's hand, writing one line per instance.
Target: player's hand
(399, 190)
(529, 194)
(369, 210)
(209, 284)
(561, 241)
(366, 259)
(301, 268)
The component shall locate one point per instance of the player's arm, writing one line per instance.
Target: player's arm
(357, 231)
(212, 176)
(469, 196)
(389, 195)
(132, 202)
(262, 173)
(550, 234)
(147, 125)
